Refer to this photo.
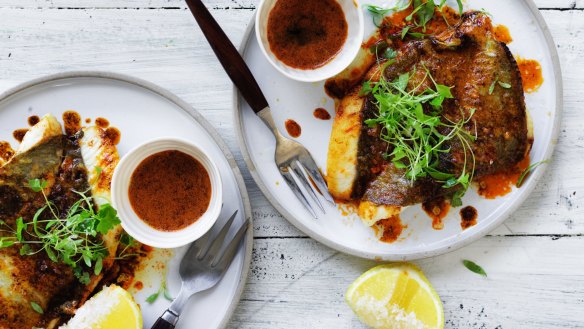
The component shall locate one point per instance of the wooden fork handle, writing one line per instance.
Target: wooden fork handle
(229, 57)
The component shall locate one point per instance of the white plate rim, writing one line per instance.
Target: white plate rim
(197, 117)
(529, 186)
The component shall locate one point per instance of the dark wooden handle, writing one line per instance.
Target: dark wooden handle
(162, 324)
(229, 57)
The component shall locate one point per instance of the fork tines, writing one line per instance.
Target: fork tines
(306, 172)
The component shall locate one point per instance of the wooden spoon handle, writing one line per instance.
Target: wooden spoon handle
(229, 57)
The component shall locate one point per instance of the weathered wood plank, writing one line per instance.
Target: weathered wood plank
(167, 48)
(532, 283)
(223, 4)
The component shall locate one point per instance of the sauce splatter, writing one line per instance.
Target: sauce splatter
(72, 121)
(6, 151)
(33, 120)
(88, 120)
(468, 217)
(138, 285)
(437, 209)
(18, 134)
(501, 33)
(102, 123)
(113, 135)
(321, 114)
(391, 228)
(501, 184)
(531, 74)
(170, 190)
(293, 128)
(306, 34)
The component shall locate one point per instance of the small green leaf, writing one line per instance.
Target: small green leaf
(365, 88)
(108, 218)
(167, 293)
(98, 266)
(37, 185)
(473, 267)
(152, 298)
(457, 199)
(492, 87)
(390, 53)
(25, 250)
(98, 170)
(417, 35)
(19, 227)
(444, 91)
(405, 31)
(37, 308)
(504, 85)
(6, 242)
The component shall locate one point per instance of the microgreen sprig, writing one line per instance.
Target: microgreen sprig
(69, 238)
(162, 290)
(415, 135)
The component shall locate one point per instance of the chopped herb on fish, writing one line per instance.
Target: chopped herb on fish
(68, 237)
(37, 308)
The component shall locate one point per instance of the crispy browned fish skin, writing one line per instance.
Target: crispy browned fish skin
(35, 278)
(25, 279)
(468, 58)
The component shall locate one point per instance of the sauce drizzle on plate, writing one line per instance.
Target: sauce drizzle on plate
(293, 128)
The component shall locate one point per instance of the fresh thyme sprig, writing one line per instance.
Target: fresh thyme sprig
(411, 123)
(70, 238)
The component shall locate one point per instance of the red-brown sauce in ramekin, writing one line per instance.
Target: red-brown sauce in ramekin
(170, 190)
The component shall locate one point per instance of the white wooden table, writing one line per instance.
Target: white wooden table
(535, 261)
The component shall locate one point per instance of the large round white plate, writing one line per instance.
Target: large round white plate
(143, 111)
(295, 100)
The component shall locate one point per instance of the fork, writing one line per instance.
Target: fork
(294, 162)
(202, 267)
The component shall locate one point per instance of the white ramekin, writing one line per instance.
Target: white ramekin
(354, 17)
(136, 227)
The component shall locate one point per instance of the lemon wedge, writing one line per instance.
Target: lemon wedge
(396, 296)
(111, 308)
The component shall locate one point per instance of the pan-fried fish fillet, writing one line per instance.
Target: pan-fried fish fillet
(26, 279)
(101, 158)
(467, 57)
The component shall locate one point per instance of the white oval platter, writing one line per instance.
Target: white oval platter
(295, 100)
(143, 111)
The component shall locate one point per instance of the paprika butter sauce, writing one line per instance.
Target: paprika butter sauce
(306, 34)
(170, 190)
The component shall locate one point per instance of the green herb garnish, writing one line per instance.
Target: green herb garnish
(70, 237)
(37, 308)
(504, 85)
(528, 170)
(412, 124)
(473, 267)
(492, 87)
(378, 13)
(162, 290)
